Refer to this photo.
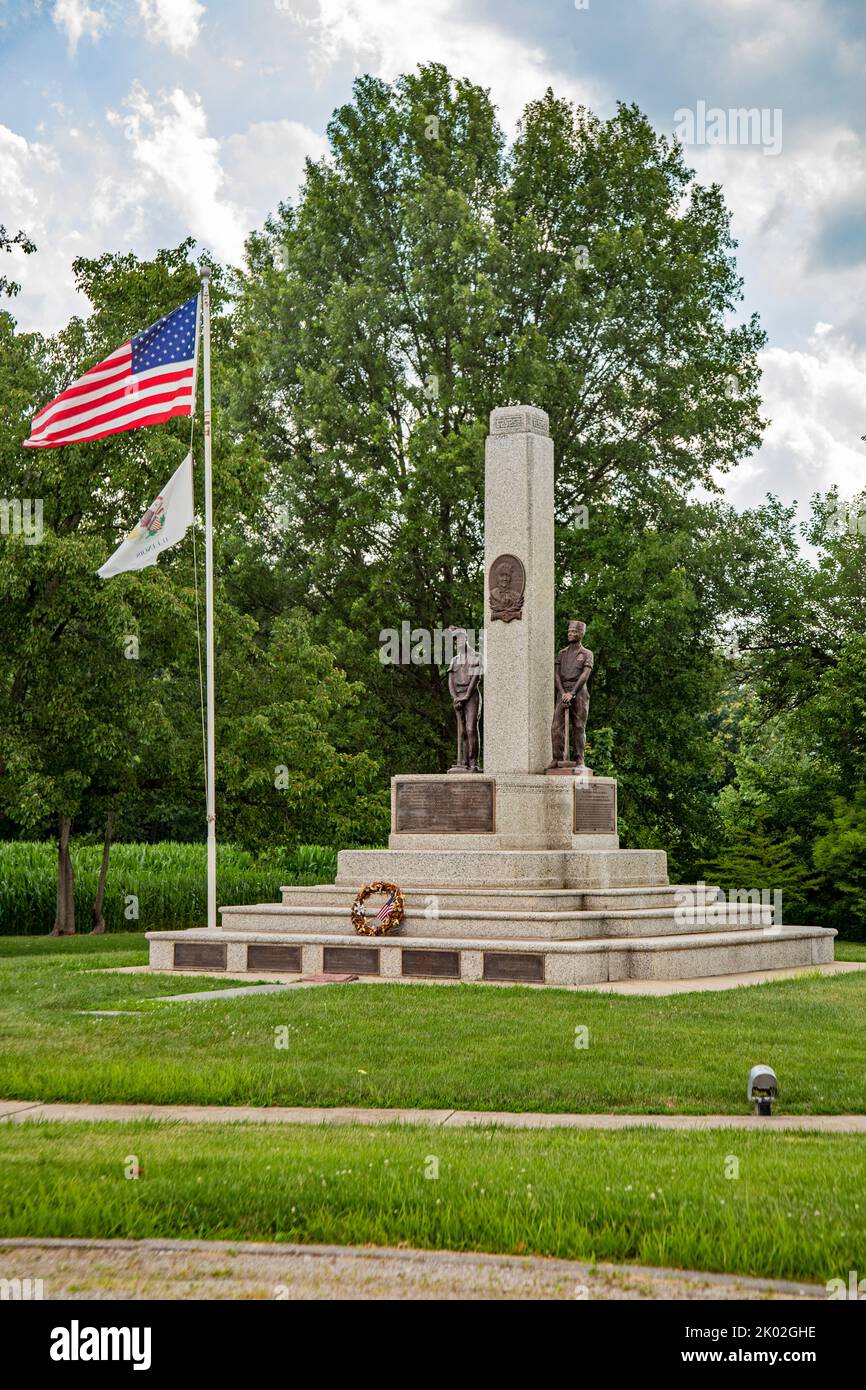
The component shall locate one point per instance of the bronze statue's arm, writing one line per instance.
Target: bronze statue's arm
(557, 679)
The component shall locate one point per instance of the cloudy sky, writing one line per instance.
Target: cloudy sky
(129, 124)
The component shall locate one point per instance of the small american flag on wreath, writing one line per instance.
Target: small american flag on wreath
(145, 382)
(385, 909)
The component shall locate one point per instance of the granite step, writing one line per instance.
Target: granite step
(581, 867)
(289, 919)
(421, 899)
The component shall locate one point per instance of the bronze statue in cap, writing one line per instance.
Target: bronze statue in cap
(571, 678)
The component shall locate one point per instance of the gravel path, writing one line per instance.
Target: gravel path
(186, 1269)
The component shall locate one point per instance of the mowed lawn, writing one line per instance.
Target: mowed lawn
(460, 1047)
(784, 1206)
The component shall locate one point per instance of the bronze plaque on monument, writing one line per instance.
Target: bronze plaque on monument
(594, 808)
(446, 807)
(200, 955)
(445, 964)
(525, 966)
(262, 956)
(506, 584)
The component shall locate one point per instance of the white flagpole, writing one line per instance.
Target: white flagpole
(209, 642)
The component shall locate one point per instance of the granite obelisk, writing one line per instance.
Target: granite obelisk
(518, 601)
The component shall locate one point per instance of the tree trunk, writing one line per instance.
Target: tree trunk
(98, 919)
(64, 920)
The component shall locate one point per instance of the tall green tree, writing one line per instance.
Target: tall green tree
(99, 688)
(840, 858)
(74, 695)
(796, 769)
(427, 274)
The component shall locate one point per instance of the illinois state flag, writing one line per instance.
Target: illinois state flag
(164, 524)
(145, 382)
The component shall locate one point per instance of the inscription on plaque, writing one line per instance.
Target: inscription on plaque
(445, 964)
(514, 965)
(445, 808)
(263, 956)
(595, 809)
(359, 960)
(199, 955)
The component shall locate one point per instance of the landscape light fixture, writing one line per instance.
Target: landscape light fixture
(763, 1088)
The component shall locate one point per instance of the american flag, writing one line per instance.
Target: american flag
(385, 909)
(148, 380)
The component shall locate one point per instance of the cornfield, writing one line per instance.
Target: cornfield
(149, 886)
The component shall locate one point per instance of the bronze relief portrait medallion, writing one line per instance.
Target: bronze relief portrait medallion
(506, 583)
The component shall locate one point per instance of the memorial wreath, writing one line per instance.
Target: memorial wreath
(389, 915)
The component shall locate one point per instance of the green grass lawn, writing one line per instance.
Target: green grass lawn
(850, 950)
(460, 1047)
(796, 1210)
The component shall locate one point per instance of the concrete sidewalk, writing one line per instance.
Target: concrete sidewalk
(20, 1111)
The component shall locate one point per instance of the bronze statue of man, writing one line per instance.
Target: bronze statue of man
(571, 677)
(464, 679)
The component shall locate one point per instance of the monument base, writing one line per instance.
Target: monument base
(501, 960)
(508, 875)
(433, 868)
(518, 880)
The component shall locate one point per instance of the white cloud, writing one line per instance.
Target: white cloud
(39, 193)
(389, 37)
(266, 163)
(181, 166)
(759, 36)
(173, 22)
(147, 178)
(816, 401)
(768, 36)
(17, 155)
(779, 207)
(78, 20)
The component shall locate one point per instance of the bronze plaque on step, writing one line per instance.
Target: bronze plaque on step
(264, 956)
(445, 808)
(418, 962)
(524, 966)
(199, 955)
(360, 960)
(594, 808)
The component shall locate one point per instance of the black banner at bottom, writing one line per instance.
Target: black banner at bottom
(59, 1339)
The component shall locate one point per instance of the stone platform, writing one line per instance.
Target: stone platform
(523, 917)
(501, 960)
